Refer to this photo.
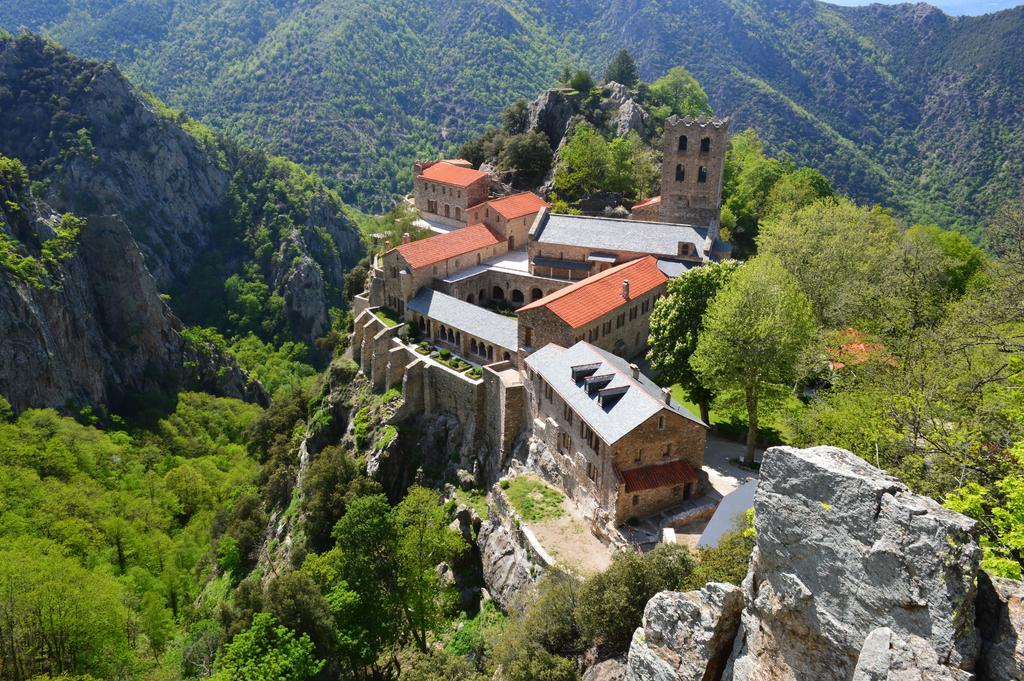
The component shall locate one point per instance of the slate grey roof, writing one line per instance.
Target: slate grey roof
(675, 268)
(641, 400)
(656, 238)
(729, 511)
(476, 321)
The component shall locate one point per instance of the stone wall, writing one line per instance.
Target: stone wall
(579, 254)
(515, 230)
(400, 281)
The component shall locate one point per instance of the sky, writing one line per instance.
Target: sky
(948, 6)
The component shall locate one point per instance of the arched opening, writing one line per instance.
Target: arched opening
(511, 243)
(482, 296)
(702, 174)
(423, 324)
(705, 145)
(497, 293)
(517, 296)
(458, 213)
(451, 336)
(536, 294)
(447, 210)
(458, 338)
(507, 357)
(682, 143)
(680, 172)
(469, 298)
(472, 345)
(490, 353)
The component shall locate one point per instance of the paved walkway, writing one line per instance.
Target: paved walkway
(724, 475)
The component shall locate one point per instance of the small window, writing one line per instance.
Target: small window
(680, 172)
(682, 143)
(606, 328)
(661, 423)
(620, 320)
(458, 213)
(547, 388)
(675, 491)
(702, 174)
(639, 456)
(705, 145)
(591, 471)
(636, 499)
(688, 490)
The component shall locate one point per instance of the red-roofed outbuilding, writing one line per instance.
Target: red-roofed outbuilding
(443, 191)
(511, 216)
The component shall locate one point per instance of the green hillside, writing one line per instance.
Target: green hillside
(357, 89)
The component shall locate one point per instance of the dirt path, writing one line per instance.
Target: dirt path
(569, 541)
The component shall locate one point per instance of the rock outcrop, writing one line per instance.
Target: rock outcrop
(104, 150)
(551, 114)
(853, 578)
(685, 635)
(91, 328)
(506, 566)
(842, 550)
(1000, 610)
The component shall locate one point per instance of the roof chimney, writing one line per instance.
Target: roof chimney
(625, 289)
(667, 394)
(406, 238)
(635, 370)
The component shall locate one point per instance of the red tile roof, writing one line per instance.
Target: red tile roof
(648, 202)
(596, 296)
(446, 173)
(443, 246)
(658, 475)
(518, 205)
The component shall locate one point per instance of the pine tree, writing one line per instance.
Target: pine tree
(622, 69)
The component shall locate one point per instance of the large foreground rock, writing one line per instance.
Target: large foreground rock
(685, 635)
(846, 554)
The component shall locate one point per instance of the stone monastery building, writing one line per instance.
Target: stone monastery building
(548, 311)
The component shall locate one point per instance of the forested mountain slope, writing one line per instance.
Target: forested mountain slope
(240, 240)
(899, 104)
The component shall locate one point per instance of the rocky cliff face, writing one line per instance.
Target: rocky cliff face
(853, 577)
(200, 208)
(88, 326)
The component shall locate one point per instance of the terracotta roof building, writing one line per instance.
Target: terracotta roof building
(443, 191)
(611, 310)
(511, 216)
(411, 266)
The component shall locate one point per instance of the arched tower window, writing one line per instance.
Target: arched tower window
(705, 145)
(680, 172)
(682, 143)
(536, 294)
(702, 174)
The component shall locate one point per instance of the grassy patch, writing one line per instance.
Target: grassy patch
(388, 316)
(475, 499)
(535, 501)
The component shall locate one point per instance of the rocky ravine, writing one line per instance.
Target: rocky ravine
(93, 330)
(853, 578)
(102, 149)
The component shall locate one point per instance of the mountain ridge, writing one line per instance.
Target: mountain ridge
(374, 85)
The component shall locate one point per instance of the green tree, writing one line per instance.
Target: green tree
(633, 171)
(842, 255)
(678, 93)
(757, 331)
(268, 651)
(583, 163)
(582, 81)
(528, 155)
(622, 69)
(676, 324)
(515, 118)
(611, 603)
(425, 542)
